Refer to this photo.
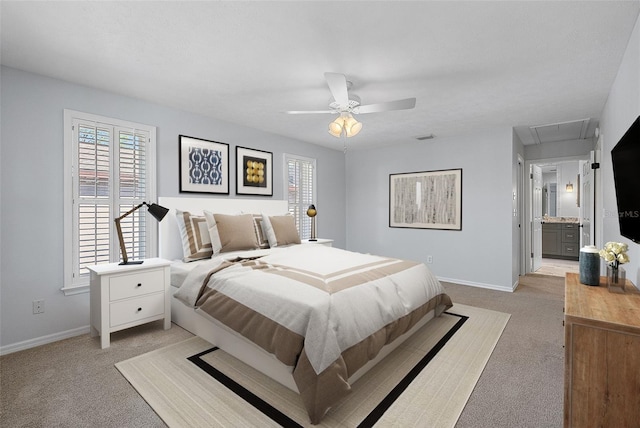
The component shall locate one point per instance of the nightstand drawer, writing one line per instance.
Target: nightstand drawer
(127, 311)
(125, 286)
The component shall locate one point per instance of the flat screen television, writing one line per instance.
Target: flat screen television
(625, 157)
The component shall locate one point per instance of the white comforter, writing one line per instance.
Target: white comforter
(318, 292)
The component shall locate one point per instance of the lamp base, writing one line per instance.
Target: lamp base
(132, 262)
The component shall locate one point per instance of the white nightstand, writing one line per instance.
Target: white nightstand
(320, 241)
(124, 296)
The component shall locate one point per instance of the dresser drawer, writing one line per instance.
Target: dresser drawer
(128, 311)
(125, 286)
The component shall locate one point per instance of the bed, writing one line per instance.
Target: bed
(313, 318)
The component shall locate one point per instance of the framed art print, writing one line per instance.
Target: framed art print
(204, 166)
(426, 200)
(254, 172)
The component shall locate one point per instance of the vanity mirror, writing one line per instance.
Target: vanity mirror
(558, 199)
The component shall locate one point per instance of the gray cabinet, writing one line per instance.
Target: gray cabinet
(561, 241)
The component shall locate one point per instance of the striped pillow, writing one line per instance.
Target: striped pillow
(261, 233)
(196, 243)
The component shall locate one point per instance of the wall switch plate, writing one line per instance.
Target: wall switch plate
(38, 307)
(429, 259)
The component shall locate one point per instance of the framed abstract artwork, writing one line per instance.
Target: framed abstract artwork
(204, 166)
(254, 172)
(426, 200)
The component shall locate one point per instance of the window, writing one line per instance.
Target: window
(301, 190)
(109, 169)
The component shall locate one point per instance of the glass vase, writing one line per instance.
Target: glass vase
(615, 279)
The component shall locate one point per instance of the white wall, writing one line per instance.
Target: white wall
(621, 109)
(481, 253)
(32, 191)
(567, 202)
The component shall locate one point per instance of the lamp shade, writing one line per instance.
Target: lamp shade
(335, 127)
(157, 211)
(311, 211)
(352, 126)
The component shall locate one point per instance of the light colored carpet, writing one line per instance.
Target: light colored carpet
(182, 395)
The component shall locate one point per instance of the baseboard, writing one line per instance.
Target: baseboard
(38, 341)
(477, 284)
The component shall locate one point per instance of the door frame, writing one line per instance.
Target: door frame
(521, 206)
(526, 247)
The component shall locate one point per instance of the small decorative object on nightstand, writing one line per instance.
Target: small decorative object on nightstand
(123, 296)
(312, 212)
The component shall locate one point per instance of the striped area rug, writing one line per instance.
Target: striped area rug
(425, 382)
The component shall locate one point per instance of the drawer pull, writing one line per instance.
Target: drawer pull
(569, 249)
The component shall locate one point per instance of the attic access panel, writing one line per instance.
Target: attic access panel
(562, 131)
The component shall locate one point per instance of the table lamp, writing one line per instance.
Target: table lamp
(157, 211)
(311, 212)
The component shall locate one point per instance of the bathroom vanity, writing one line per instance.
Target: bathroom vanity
(561, 238)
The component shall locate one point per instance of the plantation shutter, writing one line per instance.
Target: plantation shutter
(301, 191)
(112, 171)
(132, 191)
(92, 206)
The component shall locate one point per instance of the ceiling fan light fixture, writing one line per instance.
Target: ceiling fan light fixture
(346, 124)
(352, 126)
(336, 127)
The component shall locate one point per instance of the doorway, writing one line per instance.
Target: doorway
(557, 192)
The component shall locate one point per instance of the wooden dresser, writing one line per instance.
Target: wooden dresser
(602, 355)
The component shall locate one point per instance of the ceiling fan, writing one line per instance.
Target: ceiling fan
(346, 105)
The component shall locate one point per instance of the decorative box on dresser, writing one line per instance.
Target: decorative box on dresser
(124, 296)
(602, 355)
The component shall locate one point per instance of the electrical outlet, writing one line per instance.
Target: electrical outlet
(429, 259)
(38, 307)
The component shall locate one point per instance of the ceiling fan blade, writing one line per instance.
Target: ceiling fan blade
(407, 103)
(310, 111)
(338, 86)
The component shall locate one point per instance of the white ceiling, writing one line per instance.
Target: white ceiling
(471, 65)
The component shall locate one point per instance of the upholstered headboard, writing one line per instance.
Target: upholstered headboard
(170, 244)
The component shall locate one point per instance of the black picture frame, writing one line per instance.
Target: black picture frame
(203, 166)
(254, 172)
